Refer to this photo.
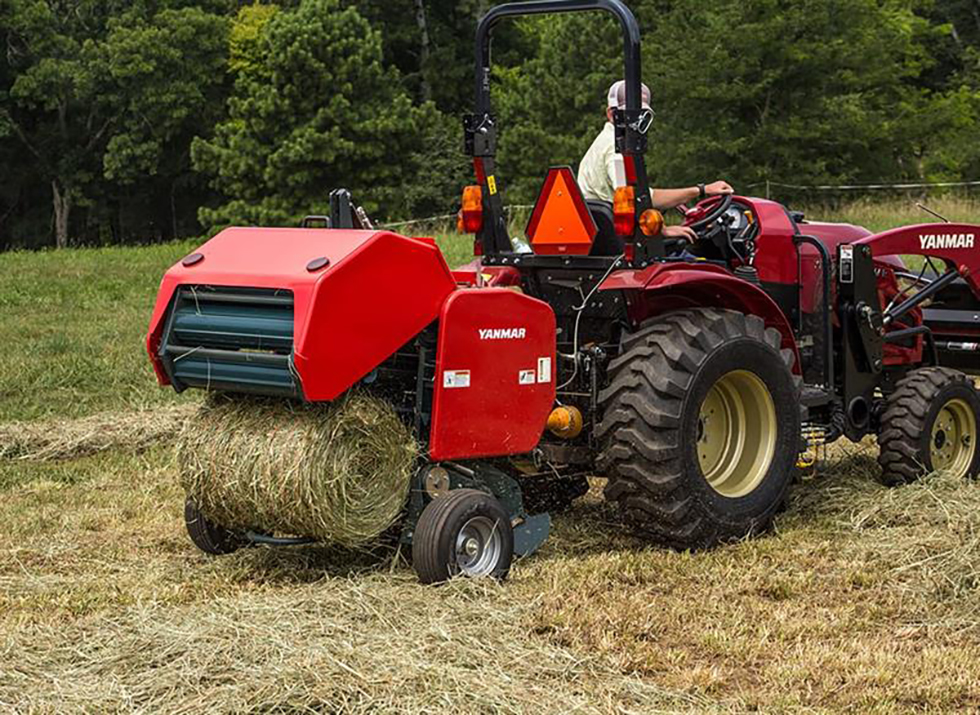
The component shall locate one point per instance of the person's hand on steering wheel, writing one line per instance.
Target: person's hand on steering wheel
(716, 198)
(718, 188)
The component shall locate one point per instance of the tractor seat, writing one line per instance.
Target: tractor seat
(606, 243)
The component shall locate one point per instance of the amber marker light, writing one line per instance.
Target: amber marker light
(472, 209)
(624, 210)
(652, 222)
(566, 422)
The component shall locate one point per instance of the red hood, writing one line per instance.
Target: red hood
(834, 234)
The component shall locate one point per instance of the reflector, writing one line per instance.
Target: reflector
(561, 222)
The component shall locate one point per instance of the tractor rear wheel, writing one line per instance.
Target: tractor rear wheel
(929, 425)
(700, 427)
(207, 536)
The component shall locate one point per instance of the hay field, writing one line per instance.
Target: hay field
(863, 599)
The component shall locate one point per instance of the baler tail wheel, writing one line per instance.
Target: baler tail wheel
(700, 427)
(930, 424)
(209, 537)
(464, 533)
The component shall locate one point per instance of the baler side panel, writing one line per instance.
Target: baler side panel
(495, 374)
(365, 309)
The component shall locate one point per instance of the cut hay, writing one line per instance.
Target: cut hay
(375, 645)
(926, 534)
(338, 474)
(52, 440)
(929, 532)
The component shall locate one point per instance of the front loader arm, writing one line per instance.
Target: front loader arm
(869, 326)
(951, 329)
(953, 243)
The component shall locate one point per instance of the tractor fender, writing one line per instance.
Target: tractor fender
(668, 287)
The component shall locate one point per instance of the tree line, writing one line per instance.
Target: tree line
(125, 121)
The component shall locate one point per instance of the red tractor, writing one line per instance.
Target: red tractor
(691, 377)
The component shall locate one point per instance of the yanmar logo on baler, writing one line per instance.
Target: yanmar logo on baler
(933, 241)
(503, 333)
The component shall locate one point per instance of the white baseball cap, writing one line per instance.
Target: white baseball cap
(617, 96)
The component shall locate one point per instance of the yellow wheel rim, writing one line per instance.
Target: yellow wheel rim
(736, 434)
(954, 438)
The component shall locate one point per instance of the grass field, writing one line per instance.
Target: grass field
(863, 598)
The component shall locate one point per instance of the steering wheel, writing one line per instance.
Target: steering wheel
(707, 212)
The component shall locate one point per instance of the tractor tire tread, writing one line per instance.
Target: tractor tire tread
(644, 401)
(904, 419)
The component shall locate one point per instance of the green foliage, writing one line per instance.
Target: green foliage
(436, 170)
(804, 91)
(318, 111)
(553, 104)
(442, 71)
(245, 39)
(101, 102)
(793, 90)
(162, 69)
(102, 94)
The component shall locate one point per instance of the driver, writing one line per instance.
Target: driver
(601, 170)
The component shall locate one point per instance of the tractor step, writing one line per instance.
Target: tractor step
(815, 396)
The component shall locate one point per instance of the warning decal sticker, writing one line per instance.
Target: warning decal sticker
(454, 379)
(544, 370)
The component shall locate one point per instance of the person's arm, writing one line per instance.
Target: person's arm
(664, 199)
(615, 170)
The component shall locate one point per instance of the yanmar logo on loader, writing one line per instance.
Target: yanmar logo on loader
(933, 241)
(503, 333)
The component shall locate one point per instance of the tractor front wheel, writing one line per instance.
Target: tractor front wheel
(463, 533)
(700, 427)
(930, 425)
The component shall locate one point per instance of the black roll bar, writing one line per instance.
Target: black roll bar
(632, 123)
(631, 41)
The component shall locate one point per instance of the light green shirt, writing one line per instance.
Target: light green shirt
(602, 169)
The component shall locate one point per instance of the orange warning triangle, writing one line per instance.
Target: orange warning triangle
(561, 222)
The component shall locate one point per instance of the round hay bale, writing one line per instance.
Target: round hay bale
(337, 473)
